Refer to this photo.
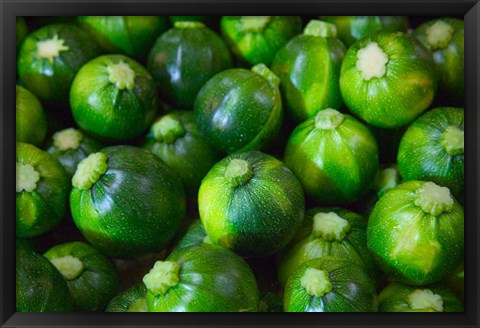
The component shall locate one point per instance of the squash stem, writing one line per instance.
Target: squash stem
(51, 48)
(330, 226)
(425, 299)
(89, 171)
(121, 75)
(372, 61)
(168, 129)
(188, 25)
(255, 23)
(439, 34)
(321, 29)
(452, 140)
(385, 180)
(69, 266)
(267, 74)
(316, 282)
(238, 172)
(67, 139)
(26, 178)
(161, 277)
(433, 199)
(328, 119)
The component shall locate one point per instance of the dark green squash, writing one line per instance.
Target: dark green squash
(132, 300)
(30, 118)
(195, 235)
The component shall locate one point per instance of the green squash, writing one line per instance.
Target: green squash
(183, 59)
(129, 35)
(432, 149)
(30, 119)
(251, 203)
(444, 37)
(397, 297)
(329, 284)
(132, 300)
(50, 57)
(21, 30)
(388, 79)
(126, 201)
(416, 233)
(332, 232)
(195, 235)
(202, 278)
(70, 146)
(39, 285)
(353, 28)
(175, 138)
(334, 155)
(256, 39)
(42, 188)
(239, 110)
(91, 277)
(113, 97)
(309, 68)
(203, 19)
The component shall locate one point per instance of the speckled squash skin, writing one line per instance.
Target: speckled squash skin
(353, 28)
(30, 118)
(449, 59)
(195, 235)
(133, 36)
(50, 80)
(395, 298)
(352, 289)
(96, 284)
(135, 207)
(183, 59)
(353, 247)
(421, 155)
(411, 245)
(335, 166)
(100, 108)
(258, 41)
(309, 68)
(405, 90)
(272, 206)
(132, 300)
(238, 110)
(39, 285)
(211, 279)
(189, 155)
(43, 208)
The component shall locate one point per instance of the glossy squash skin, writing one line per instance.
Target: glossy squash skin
(416, 233)
(131, 300)
(240, 110)
(251, 203)
(133, 204)
(334, 155)
(50, 57)
(183, 59)
(30, 118)
(329, 284)
(448, 52)
(209, 278)
(309, 69)
(91, 277)
(70, 146)
(256, 39)
(42, 188)
(113, 97)
(333, 232)
(195, 235)
(353, 28)
(432, 149)
(129, 35)
(39, 285)
(176, 140)
(397, 297)
(388, 79)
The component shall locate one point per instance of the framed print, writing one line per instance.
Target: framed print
(239, 168)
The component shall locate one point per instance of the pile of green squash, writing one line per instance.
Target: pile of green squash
(239, 164)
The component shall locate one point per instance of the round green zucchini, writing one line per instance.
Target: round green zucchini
(432, 149)
(42, 188)
(91, 277)
(415, 232)
(126, 201)
(113, 97)
(334, 155)
(183, 59)
(388, 79)
(30, 119)
(397, 297)
(202, 278)
(329, 284)
(195, 235)
(251, 203)
(239, 110)
(309, 69)
(133, 299)
(256, 39)
(50, 57)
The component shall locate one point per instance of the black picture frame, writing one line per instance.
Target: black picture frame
(469, 9)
